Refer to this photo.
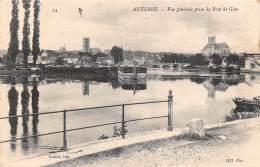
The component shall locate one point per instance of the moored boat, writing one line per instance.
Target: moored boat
(257, 98)
(247, 104)
(131, 72)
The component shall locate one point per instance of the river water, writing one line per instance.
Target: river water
(195, 95)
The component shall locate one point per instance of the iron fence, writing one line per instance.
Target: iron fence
(122, 122)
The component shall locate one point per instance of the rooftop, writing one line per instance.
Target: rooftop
(216, 46)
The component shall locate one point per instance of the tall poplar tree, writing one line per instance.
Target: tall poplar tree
(26, 32)
(13, 48)
(36, 31)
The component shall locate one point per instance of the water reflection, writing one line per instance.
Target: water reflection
(25, 111)
(135, 85)
(198, 80)
(47, 94)
(13, 103)
(115, 83)
(213, 84)
(35, 109)
(85, 88)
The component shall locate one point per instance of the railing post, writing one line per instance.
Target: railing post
(123, 121)
(170, 101)
(65, 148)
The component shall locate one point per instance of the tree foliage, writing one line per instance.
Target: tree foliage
(13, 48)
(36, 31)
(197, 59)
(60, 61)
(215, 59)
(117, 53)
(94, 58)
(26, 32)
(233, 58)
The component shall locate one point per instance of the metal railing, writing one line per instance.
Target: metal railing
(122, 122)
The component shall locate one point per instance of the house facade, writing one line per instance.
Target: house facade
(106, 60)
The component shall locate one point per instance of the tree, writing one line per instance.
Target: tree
(215, 59)
(233, 59)
(94, 58)
(26, 32)
(174, 58)
(198, 59)
(36, 31)
(13, 48)
(102, 54)
(117, 53)
(169, 58)
(242, 61)
(60, 61)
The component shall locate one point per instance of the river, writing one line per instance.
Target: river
(204, 96)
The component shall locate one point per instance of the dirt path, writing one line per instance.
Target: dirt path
(232, 146)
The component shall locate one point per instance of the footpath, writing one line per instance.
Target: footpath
(230, 144)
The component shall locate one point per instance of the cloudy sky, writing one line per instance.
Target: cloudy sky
(112, 22)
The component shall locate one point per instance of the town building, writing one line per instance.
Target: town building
(3, 53)
(85, 61)
(50, 56)
(107, 51)
(213, 47)
(105, 60)
(39, 60)
(94, 51)
(86, 44)
(141, 57)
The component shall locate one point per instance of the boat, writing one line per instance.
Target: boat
(244, 104)
(129, 73)
(132, 78)
(257, 98)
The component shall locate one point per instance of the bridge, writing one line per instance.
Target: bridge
(252, 62)
(166, 65)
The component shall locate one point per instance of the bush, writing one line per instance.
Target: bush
(117, 131)
(103, 137)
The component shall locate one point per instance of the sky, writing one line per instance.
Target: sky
(113, 22)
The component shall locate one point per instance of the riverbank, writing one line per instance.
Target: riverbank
(60, 70)
(234, 144)
(224, 143)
